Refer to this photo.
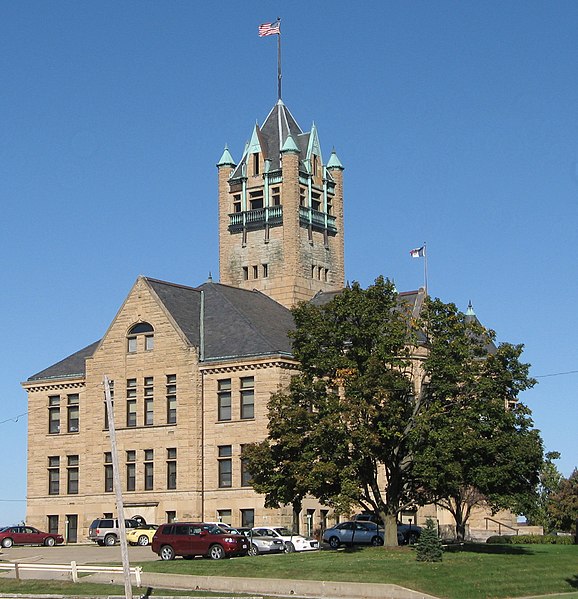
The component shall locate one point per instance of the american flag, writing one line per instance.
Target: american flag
(269, 29)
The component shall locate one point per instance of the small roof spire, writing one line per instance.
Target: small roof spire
(226, 159)
(290, 145)
(470, 310)
(334, 161)
(210, 278)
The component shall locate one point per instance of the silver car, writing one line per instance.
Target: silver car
(262, 542)
(354, 533)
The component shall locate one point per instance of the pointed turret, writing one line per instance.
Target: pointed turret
(226, 158)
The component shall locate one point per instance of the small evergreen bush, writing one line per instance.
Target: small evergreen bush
(429, 546)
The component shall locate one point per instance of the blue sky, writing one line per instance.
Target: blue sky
(456, 123)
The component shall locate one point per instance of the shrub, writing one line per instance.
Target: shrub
(541, 540)
(429, 546)
(499, 540)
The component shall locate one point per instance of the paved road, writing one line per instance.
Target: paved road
(81, 554)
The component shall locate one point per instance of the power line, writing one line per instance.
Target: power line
(543, 376)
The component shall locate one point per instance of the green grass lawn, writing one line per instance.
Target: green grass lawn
(469, 572)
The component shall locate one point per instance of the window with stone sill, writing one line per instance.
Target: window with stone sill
(140, 330)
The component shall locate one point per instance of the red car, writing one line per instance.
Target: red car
(193, 538)
(27, 535)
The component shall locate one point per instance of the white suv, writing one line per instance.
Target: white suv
(105, 531)
(292, 541)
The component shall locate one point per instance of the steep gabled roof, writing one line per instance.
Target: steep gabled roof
(234, 324)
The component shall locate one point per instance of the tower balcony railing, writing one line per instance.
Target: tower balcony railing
(316, 219)
(256, 219)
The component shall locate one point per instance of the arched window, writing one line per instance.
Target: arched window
(140, 329)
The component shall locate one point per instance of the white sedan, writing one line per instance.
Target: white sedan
(292, 541)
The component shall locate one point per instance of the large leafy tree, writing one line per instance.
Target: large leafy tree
(477, 445)
(355, 400)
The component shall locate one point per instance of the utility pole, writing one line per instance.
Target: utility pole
(118, 491)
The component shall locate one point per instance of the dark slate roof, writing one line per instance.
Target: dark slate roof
(272, 135)
(237, 324)
(242, 323)
(69, 367)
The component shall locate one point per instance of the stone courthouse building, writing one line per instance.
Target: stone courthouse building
(192, 368)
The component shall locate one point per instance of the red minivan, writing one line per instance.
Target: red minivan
(193, 538)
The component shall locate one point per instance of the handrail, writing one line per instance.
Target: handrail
(500, 524)
(73, 568)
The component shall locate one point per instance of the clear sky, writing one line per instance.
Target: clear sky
(457, 124)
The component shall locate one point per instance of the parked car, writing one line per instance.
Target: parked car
(105, 531)
(292, 541)
(142, 535)
(354, 533)
(364, 532)
(197, 538)
(28, 535)
(261, 542)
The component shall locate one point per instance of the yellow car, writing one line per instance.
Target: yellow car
(142, 535)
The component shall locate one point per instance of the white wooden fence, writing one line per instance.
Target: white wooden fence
(73, 568)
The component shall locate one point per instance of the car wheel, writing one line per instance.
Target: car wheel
(109, 540)
(143, 540)
(253, 550)
(216, 552)
(334, 542)
(377, 541)
(6, 543)
(167, 553)
(49, 541)
(289, 547)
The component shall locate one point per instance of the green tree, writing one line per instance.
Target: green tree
(356, 383)
(550, 478)
(477, 445)
(564, 503)
(429, 547)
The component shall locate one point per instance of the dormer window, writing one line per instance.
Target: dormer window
(141, 330)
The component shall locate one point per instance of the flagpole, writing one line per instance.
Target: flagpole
(279, 59)
(425, 266)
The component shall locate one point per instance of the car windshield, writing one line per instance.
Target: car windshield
(284, 532)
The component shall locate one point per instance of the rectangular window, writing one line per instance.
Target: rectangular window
(255, 272)
(148, 469)
(73, 412)
(54, 414)
(172, 468)
(131, 345)
(171, 398)
(247, 518)
(237, 203)
(224, 399)
(108, 473)
(149, 401)
(131, 412)
(53, 475)
(52, 524)
(276, 196)
(225, 466)
(247, 397)
(265, 271)
(130, 470)
(225, 516)
(245, 474)
(256, 200)
(245, 273)
(149, 342)
(316, 201)
(72, 475)
(256, 163)
(171, 516)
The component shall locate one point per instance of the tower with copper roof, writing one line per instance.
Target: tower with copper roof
(281, 213)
